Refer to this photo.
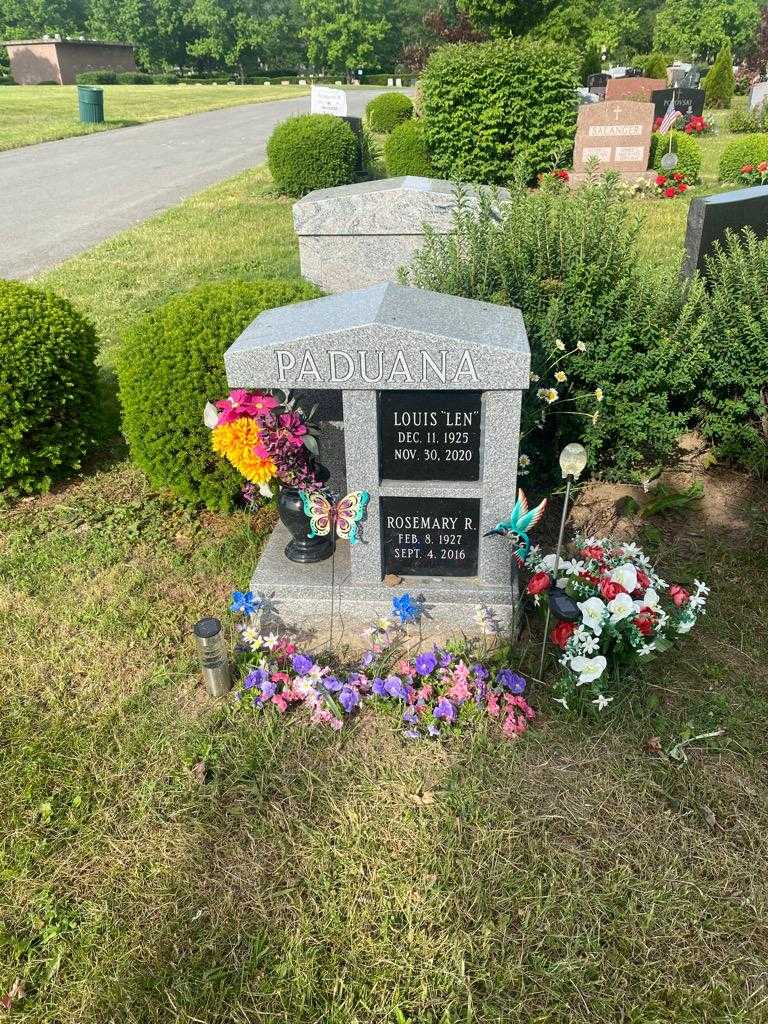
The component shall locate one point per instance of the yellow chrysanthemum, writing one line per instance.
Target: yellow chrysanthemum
(236, 441)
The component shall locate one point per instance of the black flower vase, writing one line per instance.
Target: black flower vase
(302, 548)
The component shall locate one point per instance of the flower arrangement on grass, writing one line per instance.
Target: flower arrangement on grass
(623, 614)
(671, 185)
(432, 693)
(754, 174)
(693, 124)
(266, 439)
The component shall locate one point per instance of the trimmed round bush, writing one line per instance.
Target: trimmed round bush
(494, 109)
(98, 77)
(688, 154)
(48, 388)
(170, 364)
(655, 66)
(134, 78)
(165, 79)
(312, 151)
(405, 151)
(387, 111)
(749, 149)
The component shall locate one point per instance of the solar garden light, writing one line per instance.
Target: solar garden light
(214, 658)
(573, 462)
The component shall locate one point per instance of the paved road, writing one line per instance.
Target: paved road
(59, 198)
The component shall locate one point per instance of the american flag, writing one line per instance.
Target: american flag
(669, 118)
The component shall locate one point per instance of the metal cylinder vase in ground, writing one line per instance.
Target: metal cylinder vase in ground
(214, 658)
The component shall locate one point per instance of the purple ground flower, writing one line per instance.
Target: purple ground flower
(445, 710)
(410, 715)
(268, 689)
(332, 684)
(425, 663)
(368, 659)
(379, 687)
(349, 698)
(433, 729)
(255, 677)
(412, 734)
(395, 687)
(301, 664)
(510, 680)
(481, 672)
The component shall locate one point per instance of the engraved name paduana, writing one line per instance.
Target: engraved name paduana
(376, 367)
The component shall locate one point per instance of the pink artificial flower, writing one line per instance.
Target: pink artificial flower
(459, 692)
(404, 668)
(280, 677)
(461, 673)
(492, 705)
(280, 702)
(335, 724)
(294, 427)
(425, 692)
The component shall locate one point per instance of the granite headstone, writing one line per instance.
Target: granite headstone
(616, 134)
(690, 102)
(710, 217)
(758, 94)
(633, 88)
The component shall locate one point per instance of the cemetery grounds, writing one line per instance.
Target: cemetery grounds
(41, 113)
(165, 859)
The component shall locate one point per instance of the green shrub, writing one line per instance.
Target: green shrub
(134, 78)
(719, 83)
(165, 79)
(170, 364)
(570, 261)
(655, 65)
(48, 388)
(749, 149)
(735, 383)
(488, 106)
(98, 77)
(384, 112)
(312, 151)
(405, 151)
(742, 121)
(591, 64)
(688, 154)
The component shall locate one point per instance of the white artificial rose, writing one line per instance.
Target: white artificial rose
(593, 613)
(626, 575)
(686, 625)
(588, 669)
(621, 607)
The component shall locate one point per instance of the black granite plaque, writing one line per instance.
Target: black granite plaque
(430, 536)
(687, 101)
(597, 81)
(429, 435)
(711, 216)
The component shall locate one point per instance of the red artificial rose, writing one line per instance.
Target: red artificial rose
(688, 129)
(610, 589)
(643, 580)
(644, 621)
(594, 551)
(678, 594)
(747, 169)
(562, 174)
(670, 193)
(562, 633)
(763, 167)
(682, 187)
(656, 123)
(539, 582)
(588, 577)
(677, 176)
(661, 180)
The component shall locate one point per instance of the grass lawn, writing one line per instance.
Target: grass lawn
(577, 876)
(39, 113)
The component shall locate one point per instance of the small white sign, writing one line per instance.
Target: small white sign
(328, 101)
(602, 154)
(628, 154)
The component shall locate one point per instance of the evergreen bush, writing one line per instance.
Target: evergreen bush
(133, 78)
(385, 112)
(742, 121)
(748, 149)
(688, 154)
(48, 388)
(655, 66)
(735, 383)
(170, 364)
(405, 151)
(98, 77)
(490, 106)
(165, 79)
(312, 151)
(569, 260)
(719, 83)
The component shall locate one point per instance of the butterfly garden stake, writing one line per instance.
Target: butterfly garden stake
(339, 518)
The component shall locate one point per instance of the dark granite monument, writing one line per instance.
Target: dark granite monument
(710, 217)
(689, 102)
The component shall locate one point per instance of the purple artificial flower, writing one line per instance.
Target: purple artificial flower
(510, 680)
(425, 663)
(379, 687)
(268, 689)
(368, 659)
(412, 734)
(301, 664)
(255, 677)
(349, 698)
(433, 729)
(445, 710)
(357, 679)
(445, 659)
(395, 687)
(410, 715)
(481, 672)
(332, 684)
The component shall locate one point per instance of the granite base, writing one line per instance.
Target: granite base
(298, 598)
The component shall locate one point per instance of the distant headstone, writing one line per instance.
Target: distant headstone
(585, 96)
(617, 72)
(266, 83)
(399, 83)
(631, 88)
(689, 102)
(758, 94)
(285, 82)
(358, 235)
(634, 73)
(302, 81)
(617, 134)
(390, 81)
(328, 101)
(711, 216)
(338, 82)
(599, 81)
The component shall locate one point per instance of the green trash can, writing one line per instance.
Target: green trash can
(91, 104)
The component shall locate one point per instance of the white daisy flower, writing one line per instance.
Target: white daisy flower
(602, 701)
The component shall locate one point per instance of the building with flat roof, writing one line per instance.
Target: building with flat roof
(59, 60)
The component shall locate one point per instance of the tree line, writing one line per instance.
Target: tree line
(249, 36)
